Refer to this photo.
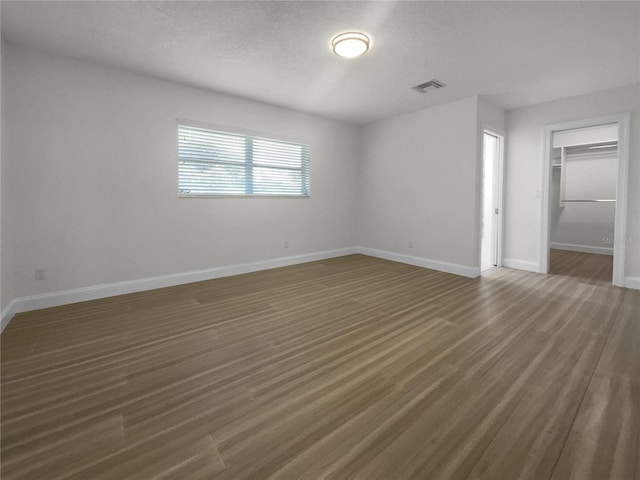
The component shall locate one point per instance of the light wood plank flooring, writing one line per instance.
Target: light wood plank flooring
(353, 367)
(588, 267)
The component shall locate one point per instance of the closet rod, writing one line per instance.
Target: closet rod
(599, 200)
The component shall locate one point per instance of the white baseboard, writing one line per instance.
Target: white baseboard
(456, 269)
(7, 314)
(582, 248)
(520, 265)
(54, 299)
(632, 282)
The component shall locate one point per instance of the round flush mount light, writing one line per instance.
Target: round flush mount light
(350, 44)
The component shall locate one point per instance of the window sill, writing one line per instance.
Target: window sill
(190, 195)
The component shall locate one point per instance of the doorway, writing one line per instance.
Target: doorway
(583, 198)
(491, 227)
(572, 184)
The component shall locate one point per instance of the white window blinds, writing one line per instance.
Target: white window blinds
(213, 163)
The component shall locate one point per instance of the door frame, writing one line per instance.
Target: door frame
(498, 194)
(620, 223)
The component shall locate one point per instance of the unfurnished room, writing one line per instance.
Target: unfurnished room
(320, 240)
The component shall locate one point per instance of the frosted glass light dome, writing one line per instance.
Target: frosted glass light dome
(350, 44)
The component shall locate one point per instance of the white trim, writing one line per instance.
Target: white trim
(620, 227)
(632, 282)
(623, 120)
(455, 268)
(573, 247)
(54, 299)
(499, 193)
(545, 231)
(7, 314)
(520, 264)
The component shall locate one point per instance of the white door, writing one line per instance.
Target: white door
(489, 238)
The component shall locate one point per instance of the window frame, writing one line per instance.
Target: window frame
(254, 134)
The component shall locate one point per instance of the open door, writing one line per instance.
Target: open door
(491, 200)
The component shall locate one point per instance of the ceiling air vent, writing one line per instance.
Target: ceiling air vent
(428, 86)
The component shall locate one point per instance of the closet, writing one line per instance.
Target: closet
(584, 178)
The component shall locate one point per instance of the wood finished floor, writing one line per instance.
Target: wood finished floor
(590, 268)
(353, 367)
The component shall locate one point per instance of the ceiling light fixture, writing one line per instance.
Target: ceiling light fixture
(350, 44)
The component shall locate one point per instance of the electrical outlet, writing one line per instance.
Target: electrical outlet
(41, 274)
(410, 243)
(286, 244)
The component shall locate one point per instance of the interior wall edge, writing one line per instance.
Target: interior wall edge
(524, 152)
(572, 247)
(54, 299)
(7, 314)
(447, 267)
(34, 302)
(520, 264)
(65, 297)
(105, 160)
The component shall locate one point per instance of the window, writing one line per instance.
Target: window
(213, 163)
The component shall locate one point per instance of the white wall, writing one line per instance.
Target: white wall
(491, 117)
(523, 177)
(419, 182)
(90, 179)
(578, 225)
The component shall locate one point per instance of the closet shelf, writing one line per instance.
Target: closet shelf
(591, 200)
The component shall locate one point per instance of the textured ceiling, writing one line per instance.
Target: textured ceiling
(516, 53)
